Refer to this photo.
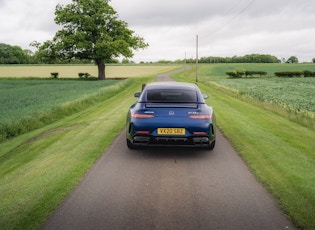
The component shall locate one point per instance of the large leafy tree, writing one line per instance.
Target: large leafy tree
(91, 30)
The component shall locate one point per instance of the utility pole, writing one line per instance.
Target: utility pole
(197, 58)
(185, 58)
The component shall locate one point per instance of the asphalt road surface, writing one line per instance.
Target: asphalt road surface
(169, 188)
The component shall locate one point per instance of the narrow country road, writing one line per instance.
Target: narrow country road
(169, 188)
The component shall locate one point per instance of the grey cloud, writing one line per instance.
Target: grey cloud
(225, 27)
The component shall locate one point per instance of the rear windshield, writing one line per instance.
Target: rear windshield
(180, 96)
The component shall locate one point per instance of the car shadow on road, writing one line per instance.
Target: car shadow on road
(171, 152)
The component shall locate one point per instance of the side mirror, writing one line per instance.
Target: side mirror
(137, 94)
(205, 96)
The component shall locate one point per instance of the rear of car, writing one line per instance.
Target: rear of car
(171, 113)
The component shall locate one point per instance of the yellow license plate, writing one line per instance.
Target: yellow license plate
(171, 131)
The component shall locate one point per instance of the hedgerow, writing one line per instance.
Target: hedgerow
(238, 73)
(305, 73)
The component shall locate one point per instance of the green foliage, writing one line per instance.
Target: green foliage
(255, 72)
(164, 62)
(292, 60)
(54, 74)
(249, 58)
(13, 55)
(289, 74)
(90, 30)
(306, 73)
(238, 73)
(84, 75)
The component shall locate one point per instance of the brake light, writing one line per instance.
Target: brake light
(141, 115)
(142, 132)
(200, 116)
(200, 133)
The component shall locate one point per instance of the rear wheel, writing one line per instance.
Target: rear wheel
(131, 145)
(211, 146)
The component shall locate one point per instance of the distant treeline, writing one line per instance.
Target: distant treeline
(250, 58)
(16, 55)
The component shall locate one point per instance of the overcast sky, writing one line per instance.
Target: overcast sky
(224, 27)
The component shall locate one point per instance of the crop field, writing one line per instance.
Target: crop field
(284, 92)
(28, 101)
(293, 94)
(219, 70)
(71, 71)
(27, 104)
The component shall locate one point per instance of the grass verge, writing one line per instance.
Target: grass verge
(278, 151)
(38, 169)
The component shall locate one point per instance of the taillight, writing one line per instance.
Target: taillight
(200, 133)
(201, 116)
(139, 132)
(141, 115)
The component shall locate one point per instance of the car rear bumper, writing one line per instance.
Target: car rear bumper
(195, 141)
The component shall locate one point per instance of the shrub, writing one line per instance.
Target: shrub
(238, 73)
(54, 74)
(308, 73)
(253, 72)
(84, 75)
(305, 73)
(289, 74)
(232, 73)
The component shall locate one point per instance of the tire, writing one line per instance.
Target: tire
(130, 145)
(211, 146)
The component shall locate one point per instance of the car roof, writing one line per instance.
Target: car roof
(170, 85)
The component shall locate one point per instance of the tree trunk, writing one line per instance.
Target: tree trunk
(101, 70)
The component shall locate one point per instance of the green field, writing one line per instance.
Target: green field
(29, 104)
(285, 92)
(220, 69)
(294, 95)
(40, 167)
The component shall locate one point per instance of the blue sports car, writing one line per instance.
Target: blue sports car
(171, 113)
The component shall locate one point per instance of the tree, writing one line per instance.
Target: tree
(91, 30)
(313, 60)
(12, 55)
(292, 59)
